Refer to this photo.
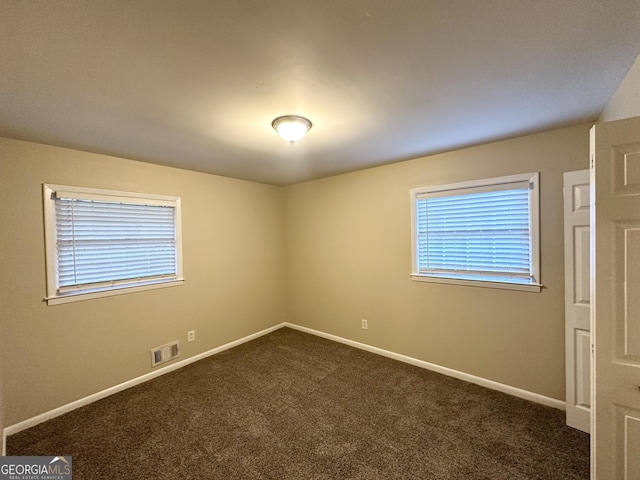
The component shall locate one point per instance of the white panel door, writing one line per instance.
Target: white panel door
(615, 240)
(577, 299)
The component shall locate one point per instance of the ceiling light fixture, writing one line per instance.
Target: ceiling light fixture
(291, 127)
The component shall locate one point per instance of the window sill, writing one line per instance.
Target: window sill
(88, 295)
(523, 287)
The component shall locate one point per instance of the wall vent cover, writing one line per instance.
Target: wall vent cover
(164, 353)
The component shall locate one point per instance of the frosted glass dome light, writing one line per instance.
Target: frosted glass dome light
(291, 127)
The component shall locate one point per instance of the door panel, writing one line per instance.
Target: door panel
(628, 433)
(582, 387)
(577, 299)
(626, 169)
(615, 210)
(581, 286)
(627, 286)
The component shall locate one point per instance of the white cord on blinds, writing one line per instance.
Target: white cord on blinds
(102, 243)
(475, 234)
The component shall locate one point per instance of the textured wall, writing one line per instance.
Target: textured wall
(2, 422)
(349, 257)
(339, 248)
(233, 263)
(625, 103)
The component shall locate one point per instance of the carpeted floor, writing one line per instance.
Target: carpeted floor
(294, 406)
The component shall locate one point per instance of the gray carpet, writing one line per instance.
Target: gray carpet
(294, 406)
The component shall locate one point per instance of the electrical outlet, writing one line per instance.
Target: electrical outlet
(191, 335)
(365, 324)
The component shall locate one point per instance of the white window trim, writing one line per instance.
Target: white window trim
(54, 296)
(534, 219)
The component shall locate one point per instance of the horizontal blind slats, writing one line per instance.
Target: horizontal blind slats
(100, 241)
(477, 234)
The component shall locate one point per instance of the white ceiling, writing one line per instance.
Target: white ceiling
(196, 83)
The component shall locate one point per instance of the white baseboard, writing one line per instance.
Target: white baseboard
(30, 422)
(516, 392)
(501, 387)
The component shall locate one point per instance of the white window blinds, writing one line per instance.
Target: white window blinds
(113, 242)
(104, 240)
(482, 231)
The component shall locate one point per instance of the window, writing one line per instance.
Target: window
(482, 233)
(101, 242)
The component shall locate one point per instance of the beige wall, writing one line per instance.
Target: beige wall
(233, 261)
(625, 103)
(340, 247)
(2, 423)
(349, 257)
